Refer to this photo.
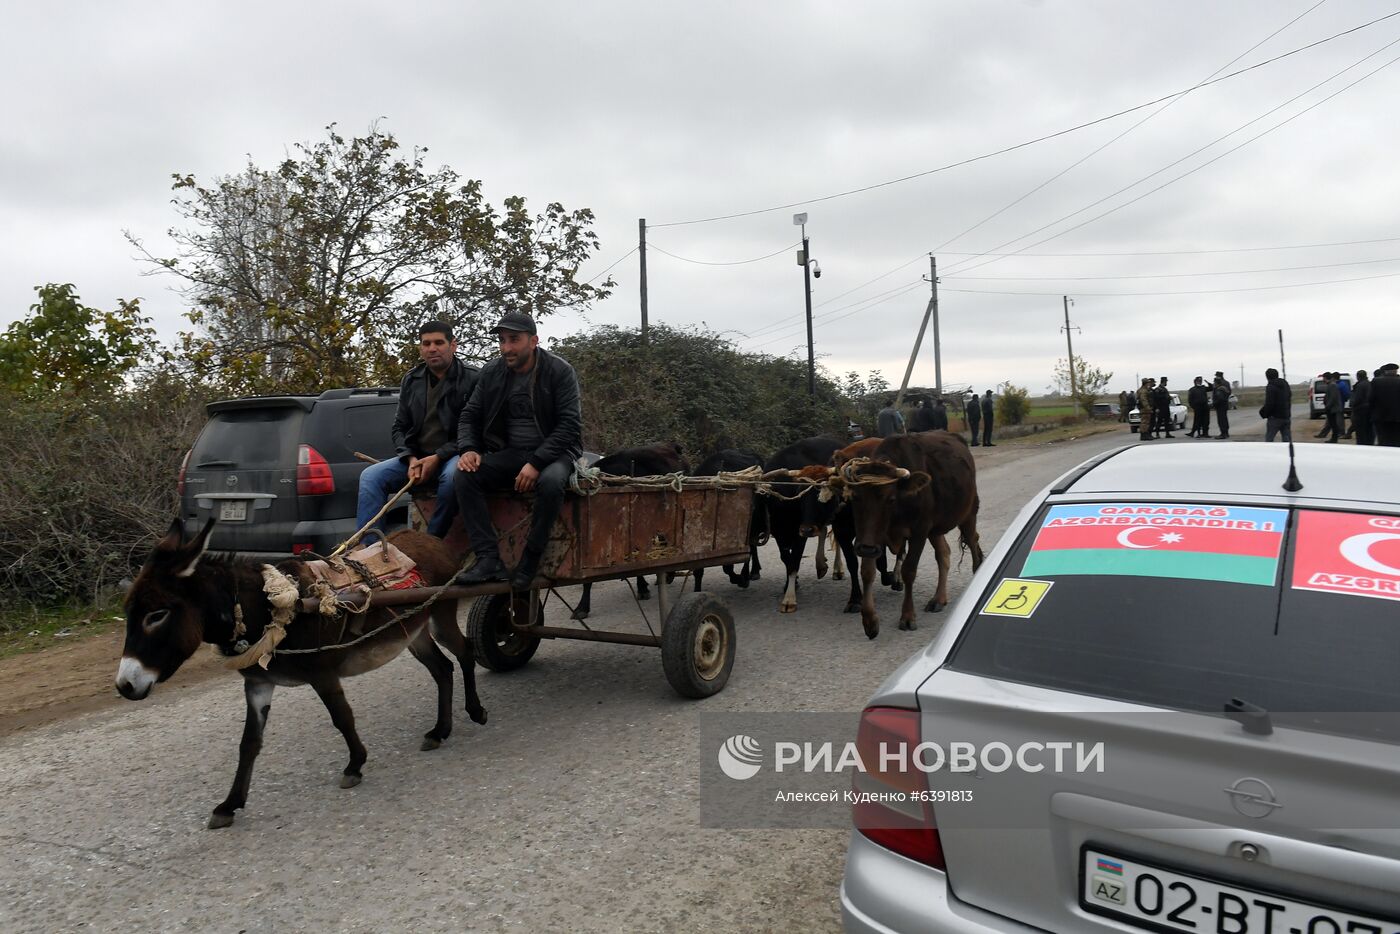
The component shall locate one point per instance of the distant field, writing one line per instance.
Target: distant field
(1051, 408)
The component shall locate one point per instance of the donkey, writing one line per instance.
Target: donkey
(181, 598)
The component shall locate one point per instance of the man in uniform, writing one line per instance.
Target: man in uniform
(1334, 408)
(522, 430)
(973, 413)
(431, 398)
(1144, 407)
(1162, 409)
(1220, 398)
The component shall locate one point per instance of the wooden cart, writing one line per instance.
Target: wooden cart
(616, 532)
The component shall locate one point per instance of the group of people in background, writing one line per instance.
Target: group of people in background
(980, 415)
(1374, 401)
(1154, 404)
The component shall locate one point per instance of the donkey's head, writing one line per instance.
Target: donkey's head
(163, 614)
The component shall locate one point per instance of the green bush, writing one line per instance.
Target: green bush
(696, 388)
(1013, 404)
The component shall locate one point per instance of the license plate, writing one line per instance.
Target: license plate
(1164, 900)
(233, 510)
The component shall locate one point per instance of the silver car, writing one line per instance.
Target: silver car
(1085, 749)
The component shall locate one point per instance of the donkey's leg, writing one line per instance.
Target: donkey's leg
(426, 651)
(343, 717)
(443, 626)
(643, 588)
(257, 692)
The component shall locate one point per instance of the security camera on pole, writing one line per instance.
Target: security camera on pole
(810, 268)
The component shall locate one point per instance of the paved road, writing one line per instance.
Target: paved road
(575, 809)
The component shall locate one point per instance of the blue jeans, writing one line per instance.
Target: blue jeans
(384, 479)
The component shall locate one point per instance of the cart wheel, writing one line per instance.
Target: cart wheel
(497, 646)
(697, 645)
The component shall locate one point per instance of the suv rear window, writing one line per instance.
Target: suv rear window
(247, 438)
(1136, 611)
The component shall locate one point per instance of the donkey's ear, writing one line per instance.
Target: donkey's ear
(192, 552)
(174, 537)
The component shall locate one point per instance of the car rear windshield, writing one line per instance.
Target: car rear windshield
(1186, 606)
(248, 438)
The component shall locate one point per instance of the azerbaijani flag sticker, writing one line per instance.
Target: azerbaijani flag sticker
(1108, 865)
(1235, 544)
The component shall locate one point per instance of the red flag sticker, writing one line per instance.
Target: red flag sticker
(1346, 552)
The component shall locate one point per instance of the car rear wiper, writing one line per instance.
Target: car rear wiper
(215, 464)
(1252, 717)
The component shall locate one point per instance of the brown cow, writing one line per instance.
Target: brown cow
(916, 488)
(865, 448)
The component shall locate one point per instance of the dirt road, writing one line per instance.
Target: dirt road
(575, 809)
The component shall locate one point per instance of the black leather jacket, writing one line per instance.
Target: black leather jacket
(413, 406)
(554, 390)
(1278, 399)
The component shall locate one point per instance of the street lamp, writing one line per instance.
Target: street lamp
(810, 268)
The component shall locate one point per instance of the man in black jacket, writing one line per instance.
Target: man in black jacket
(1198, 397)
(972, 413)
(522, 430)
(1162, 409)
(1361, 410)
(431, 399)
(1334, 407)
(989, 411)
(1385, 405)
(1277, 410)
(939, 415)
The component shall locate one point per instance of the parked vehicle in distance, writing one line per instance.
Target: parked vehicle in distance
(1107, 409)
(1317, 394)
(279, 473)
(1248, 723)
(1178, 415)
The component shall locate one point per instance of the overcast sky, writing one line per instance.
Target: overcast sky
(676, 112)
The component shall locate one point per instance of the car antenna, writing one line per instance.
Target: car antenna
(1292, 484)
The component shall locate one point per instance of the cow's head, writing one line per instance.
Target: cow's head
(875, 487)
(163, 615)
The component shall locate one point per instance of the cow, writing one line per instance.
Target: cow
(800, 471)
(915, 488)
(644, 461)
(732, 460)
(864, 448)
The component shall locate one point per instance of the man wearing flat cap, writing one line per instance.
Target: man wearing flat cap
(521, 430)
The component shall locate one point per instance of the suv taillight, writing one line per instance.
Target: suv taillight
(886, 808)
(313, 473)
(180, 477)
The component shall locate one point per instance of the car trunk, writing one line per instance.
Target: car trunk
(242, 471)
(1019, 848)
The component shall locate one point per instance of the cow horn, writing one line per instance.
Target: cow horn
(902, 473)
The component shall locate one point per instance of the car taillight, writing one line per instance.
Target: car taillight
(180, 477)
(887, 808)
(313, 473)
(301, 548)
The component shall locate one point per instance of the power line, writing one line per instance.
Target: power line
(1032, 142)
(741, 262)
(1242, 249)
(787, 321)
(1168, 275)
(1199, 150)
(1073, 165)
(1257, 288)
(614, 263)
(856, 308)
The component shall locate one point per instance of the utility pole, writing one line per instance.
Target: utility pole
(1241, 375)
(931, 311)
(807, 291)
(1069, 344)
(642, 251)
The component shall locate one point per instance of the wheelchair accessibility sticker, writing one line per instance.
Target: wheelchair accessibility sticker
(1016, 597)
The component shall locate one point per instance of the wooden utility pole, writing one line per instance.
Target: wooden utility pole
(930, 311)
(642, 251)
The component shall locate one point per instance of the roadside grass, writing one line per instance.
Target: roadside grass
(34, 628)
